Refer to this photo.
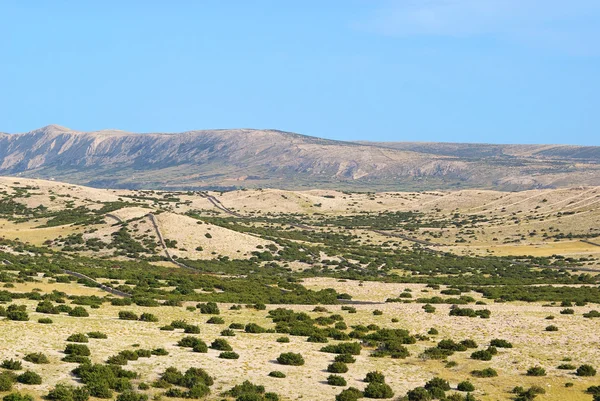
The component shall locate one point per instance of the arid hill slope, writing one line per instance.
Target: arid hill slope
(271, 158)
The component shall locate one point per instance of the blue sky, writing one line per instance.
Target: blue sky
(499, 71)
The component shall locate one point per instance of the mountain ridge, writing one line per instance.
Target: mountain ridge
(246, 157)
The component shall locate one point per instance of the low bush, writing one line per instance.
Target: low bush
(37, 357)
(97, 334)
(45, 320)
(127, 315)
(586, 371)
(378, 390)
(29, 377)
(277, 374)
(551, 328)
(375, 377)
(216, 320)
(343, 348)
(346, 358)
(221, 344)
(290, 358)
(11, 364)
(148, 317)
(78, 338)
(499, 343)
(349, 394)
(228, 333)
(487, 372)
(229, 355)
(283, 340)
(337, 367)
(465, 386)
(335, 380)
(209, 308)
(77, 350)
(63, 392)
(79, 311)
(536, 371)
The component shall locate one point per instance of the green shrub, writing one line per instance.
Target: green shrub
(567, 311)
(190, 342)
(277, 374)
(97, 334)
(337, 367)
(45, 320)
(78, 338)
(29, 377)
(63, 392)
(11, 364)
(209, 308)
(343, 348)
(487, 372)
(221, 344)
(551, 328)
(566, 366)
(77, 349)
(499, 343)
(375, 377)
(17, 397)
(378, 390)
(17, 313)
(591, 314)
(191, 329)
(130, 395)
(148, 317)
(437, 382)
(236, 326)
(465, 386)
(254, 328)
(335, 380)
(418, 394)
(283, 340)
(586, 371)
(37, 358)
(215, 320)
(79, 311)
(6, 381)
(290, 358)
(536, 371)
(160, 352)
(346, 358)
(229, 355)
(127, 315)
(482, 355)
(349, 394)
(228, 333)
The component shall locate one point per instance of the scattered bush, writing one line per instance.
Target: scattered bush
(127, 315)
(465, 386)
(78, 338)
(536, 371)
(97, 334)
(487, 372)
(586, 371)
(346, 358)
(499, 343)
(277, 374)
(29, 377)
(148, 317)
(79, 311)
(378, 390)
(38, 358)
(77, 350)
(209, 308)
(11, 364)
(335, 380)
(349, 394)
(551, 328)
(375, 377)
(337, 367)
(216, 320)
(45, 320)
(229, 355)
(290, 358)
(221, 344)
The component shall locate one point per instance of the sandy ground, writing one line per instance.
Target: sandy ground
(522, 324)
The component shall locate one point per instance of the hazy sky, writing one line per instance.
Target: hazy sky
(502, 71)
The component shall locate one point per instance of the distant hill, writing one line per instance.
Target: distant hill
(271, 158)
